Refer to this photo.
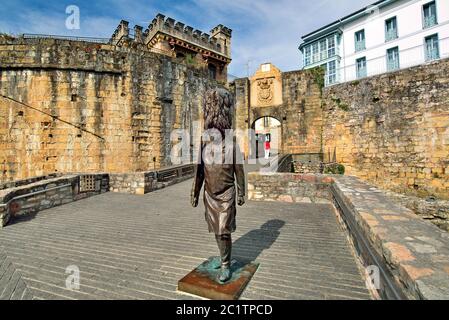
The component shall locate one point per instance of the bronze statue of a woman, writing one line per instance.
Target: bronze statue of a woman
(219, 177)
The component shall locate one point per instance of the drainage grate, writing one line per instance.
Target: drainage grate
(87, 183)
(164, 176)
(188, 170)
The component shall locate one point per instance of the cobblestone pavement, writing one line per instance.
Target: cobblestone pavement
(138, 247)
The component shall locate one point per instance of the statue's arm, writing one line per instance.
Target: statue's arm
(239, 174)
(198, 180)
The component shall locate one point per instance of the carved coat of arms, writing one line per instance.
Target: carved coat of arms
(265, 91)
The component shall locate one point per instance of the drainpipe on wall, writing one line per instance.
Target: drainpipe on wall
(343, 53)
(249, 117)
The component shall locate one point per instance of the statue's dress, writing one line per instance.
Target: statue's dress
(219, 187)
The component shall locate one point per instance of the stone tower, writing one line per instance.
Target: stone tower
(169, 37)
(223, 36)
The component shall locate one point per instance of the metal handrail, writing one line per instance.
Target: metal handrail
(34, 194)
(60, 37)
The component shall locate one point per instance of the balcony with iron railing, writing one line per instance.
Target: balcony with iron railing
(392, 65)
(360, 45)
(361, 72)
(430, 21)
(406, 58)
(391, 35)
(432, 54)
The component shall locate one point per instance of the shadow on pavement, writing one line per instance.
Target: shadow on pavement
(249, 246)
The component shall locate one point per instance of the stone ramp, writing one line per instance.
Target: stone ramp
(138, 247)
(415, 251)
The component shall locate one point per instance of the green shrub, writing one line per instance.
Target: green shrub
(335, 169)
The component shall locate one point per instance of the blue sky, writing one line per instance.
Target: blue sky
(263, 30)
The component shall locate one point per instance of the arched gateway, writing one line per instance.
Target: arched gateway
(287, 106)
(267, 129)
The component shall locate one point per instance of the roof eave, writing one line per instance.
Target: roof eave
(348, 18)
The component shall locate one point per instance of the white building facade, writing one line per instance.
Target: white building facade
(384, 37)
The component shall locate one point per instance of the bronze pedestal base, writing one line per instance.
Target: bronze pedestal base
(202, 281)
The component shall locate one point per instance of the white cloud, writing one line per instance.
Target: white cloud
(267, 30)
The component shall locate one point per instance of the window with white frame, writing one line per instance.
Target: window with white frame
(391, 29)
(315, 52)
(332, 72)
(360, 65)
(393, 59)
(360, 40)
(331, 46)
(429, 15)
(431, 47)
(323, 49)
(320, 50)
(307, 55)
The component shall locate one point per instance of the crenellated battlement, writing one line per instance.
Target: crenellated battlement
(172, 38)
(170, 27)
(138, 34)
(221, 28)
(164, 34)
(121, 32)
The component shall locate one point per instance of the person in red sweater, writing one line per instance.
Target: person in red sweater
(267, 147)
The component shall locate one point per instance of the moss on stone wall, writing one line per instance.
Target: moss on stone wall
(341, 105)
(318, 74)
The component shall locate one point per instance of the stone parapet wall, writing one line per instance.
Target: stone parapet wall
(133, 183)
(392, 130)
(436, 211)
(414, 251)
(144, 182)
(289, 187)
(41, 195)
(18, 183)
(307, 167)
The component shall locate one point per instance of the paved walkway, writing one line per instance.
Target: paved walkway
(138, 247)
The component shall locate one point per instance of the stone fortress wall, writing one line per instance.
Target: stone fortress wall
(392, 130)
(90, 107)
(110, 107)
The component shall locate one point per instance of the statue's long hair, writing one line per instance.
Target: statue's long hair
(218, 108)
